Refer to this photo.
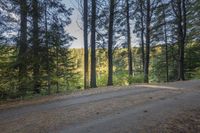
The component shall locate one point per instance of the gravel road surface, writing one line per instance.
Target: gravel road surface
(130, 109)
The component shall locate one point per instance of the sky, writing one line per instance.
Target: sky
(75, 27)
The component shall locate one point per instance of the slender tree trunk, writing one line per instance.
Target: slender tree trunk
(182, 69)
(57, 71)
(142, 34)
(47, 52)
(166, 45)
(86, 84)
(148, 22)
(130, 64)
(181, 37)
(166, 56)
(110, 43)
(36, 42)
(23, 46)
(93, 46)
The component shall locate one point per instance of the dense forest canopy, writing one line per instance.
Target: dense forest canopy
(36, 57)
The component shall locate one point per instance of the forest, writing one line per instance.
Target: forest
(125, 42)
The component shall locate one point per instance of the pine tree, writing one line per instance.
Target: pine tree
(93, 46)
(23, 45)
(179, 9)
(130, 64)
(110, 43)
(86, 84)
(36, 46)
(148, 41)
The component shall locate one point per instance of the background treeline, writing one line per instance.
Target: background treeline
(125, 42)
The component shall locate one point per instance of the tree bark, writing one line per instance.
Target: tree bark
(110, 43)
(142, 34)
(166, 45)
(47, 52)
(181, 36)
(86, 84)
(23, 46)
(93, 47)
(57, 65)
(36, 42)
(182, 69)
(130, 64)
(148, 22)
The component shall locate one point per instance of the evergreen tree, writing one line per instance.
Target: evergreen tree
(110, 43)
(63, 64)
(23, 45)
(93, 46)
(180, 11)
(36, 46)
(86, 44)
(130, 64)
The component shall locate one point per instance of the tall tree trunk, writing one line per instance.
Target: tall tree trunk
(110, 43)
(93, 47)
(182, 69)
(86, 84)
(148, 22)
(142, 34)
(130, 64)
(23, 46)
(47, 52)
(181, 36)
(36, 42)
(166, 45)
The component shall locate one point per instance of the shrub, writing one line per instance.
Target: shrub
(135, 79)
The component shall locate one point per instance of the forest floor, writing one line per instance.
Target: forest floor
(167, 108)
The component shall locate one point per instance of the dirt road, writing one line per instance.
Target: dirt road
(132, 109)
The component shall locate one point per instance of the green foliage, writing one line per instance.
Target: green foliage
(68, 78)
(102, 80)
(120, 78)
(8, 80)
(192, 60)
(70, 68)
(158, 66)
(196, 73)
(135, 79)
